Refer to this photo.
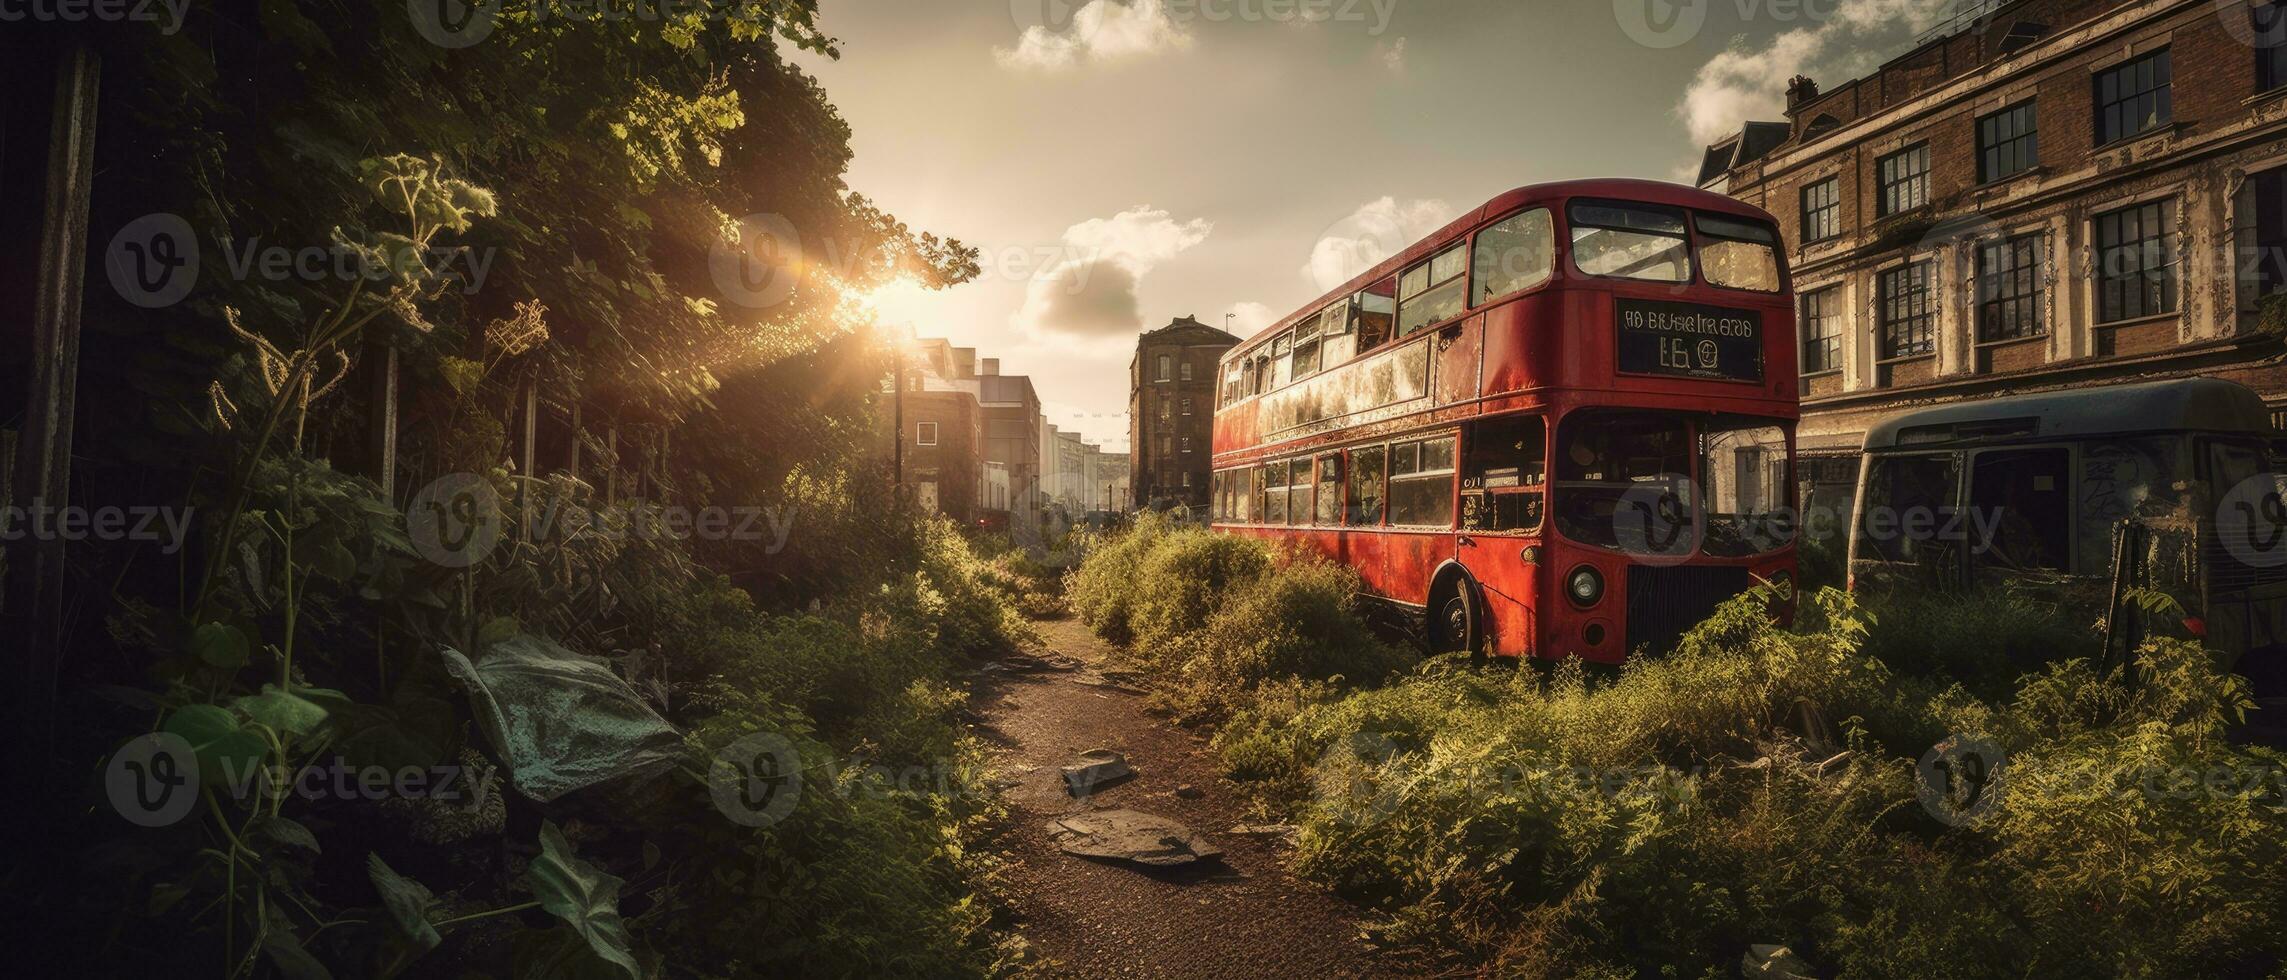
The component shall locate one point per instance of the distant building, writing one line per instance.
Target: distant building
(2045, 194)
(1012, 430)
(943, 430)
(1109, 483)
(1171, 411)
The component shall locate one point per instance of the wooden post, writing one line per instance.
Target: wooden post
(381, 444)
(42, 474)
(611, 474)
(577, 434)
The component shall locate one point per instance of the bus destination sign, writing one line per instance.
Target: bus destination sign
(1688, 339)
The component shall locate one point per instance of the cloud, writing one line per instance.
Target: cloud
(1393, 55)
(1104, 30)
(1745, 82)
(1090, 293)
(1248, 318)
(1376, 231)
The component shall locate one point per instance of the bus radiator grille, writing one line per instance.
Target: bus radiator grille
(1666, 602)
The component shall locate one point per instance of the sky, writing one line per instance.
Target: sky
(1121, 163)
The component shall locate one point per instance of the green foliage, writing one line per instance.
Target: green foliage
(1760, 786)
(1210, 618)
(1985, 640)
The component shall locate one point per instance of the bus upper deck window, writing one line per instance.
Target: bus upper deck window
(1738, 254)
(1377, 313)
(1630, 241)
(1513, 256)
(1431, 292)
(1336, 342)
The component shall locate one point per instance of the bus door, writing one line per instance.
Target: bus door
(2019, 520)
(1503, 480)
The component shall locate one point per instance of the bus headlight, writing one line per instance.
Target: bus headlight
(1584, 585)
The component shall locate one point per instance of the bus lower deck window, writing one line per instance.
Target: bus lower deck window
(1421, 484)
(1366, 471)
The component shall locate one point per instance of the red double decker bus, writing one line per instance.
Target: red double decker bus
(1563, 425)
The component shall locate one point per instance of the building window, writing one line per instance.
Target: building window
(2008, 289)
(1907, 311)
(1822, 210)
(2270, 44)
(1166, 368)
(1822, 330)
(925, 433)
(1187, 369)
(1166, 445)
(1187, 406)
(1166, 410)
(2133, 98)
(1186, 441)
(2008, 143)
(1904, 179)
(2135, 267)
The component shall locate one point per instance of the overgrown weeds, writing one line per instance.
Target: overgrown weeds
(1943, 787)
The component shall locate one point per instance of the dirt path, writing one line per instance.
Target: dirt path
(1244, 917)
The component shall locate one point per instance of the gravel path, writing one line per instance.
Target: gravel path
(1242, 917)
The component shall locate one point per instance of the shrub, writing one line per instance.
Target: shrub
(1294, 621)
(1985, 640)
(1102, 589)
(1663, 819)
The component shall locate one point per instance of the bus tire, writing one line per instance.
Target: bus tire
(1455, 621)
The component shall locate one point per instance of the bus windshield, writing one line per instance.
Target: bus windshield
(1626, 481)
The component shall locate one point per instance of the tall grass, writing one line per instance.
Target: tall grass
(1213, 617)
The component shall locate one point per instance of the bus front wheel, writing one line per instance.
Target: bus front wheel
(1454, 623)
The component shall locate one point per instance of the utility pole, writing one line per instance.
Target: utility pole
(897, 400)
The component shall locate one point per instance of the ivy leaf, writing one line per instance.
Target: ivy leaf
(221, 645)
(282, 710)
(407, 902)
(584, 896)
(460, 372)
(225, 750)
(284, 831)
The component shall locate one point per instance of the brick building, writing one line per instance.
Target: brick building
(1171, 412)
(943, 430)
(2043, 194)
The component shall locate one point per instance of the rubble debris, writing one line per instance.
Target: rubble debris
(1766, 961)
(1131, 836)
(1096, 769)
